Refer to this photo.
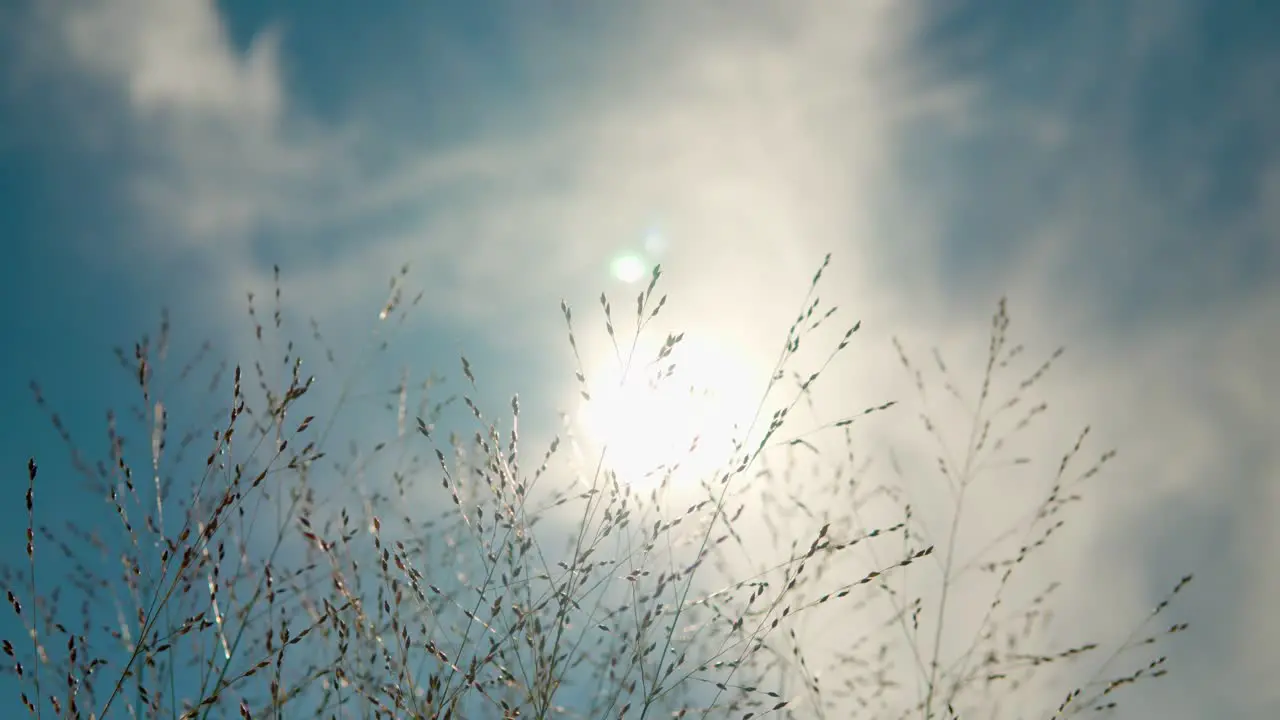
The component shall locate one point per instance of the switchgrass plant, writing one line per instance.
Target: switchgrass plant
(263, 552)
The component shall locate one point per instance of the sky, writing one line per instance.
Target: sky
(1107, 166)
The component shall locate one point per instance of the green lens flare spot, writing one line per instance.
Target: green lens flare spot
(628, 268)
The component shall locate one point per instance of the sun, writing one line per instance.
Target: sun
(644, 420)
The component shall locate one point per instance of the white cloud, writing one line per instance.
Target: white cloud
(176, 57)
(213, 156)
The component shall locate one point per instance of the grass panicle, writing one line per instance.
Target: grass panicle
(266, 548)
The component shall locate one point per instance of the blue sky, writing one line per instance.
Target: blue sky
(1108, 165)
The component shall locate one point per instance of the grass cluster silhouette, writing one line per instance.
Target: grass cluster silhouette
(258, 556)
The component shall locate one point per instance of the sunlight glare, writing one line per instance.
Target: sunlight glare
(647, 422)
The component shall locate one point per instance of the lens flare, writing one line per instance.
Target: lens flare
(628, 268)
